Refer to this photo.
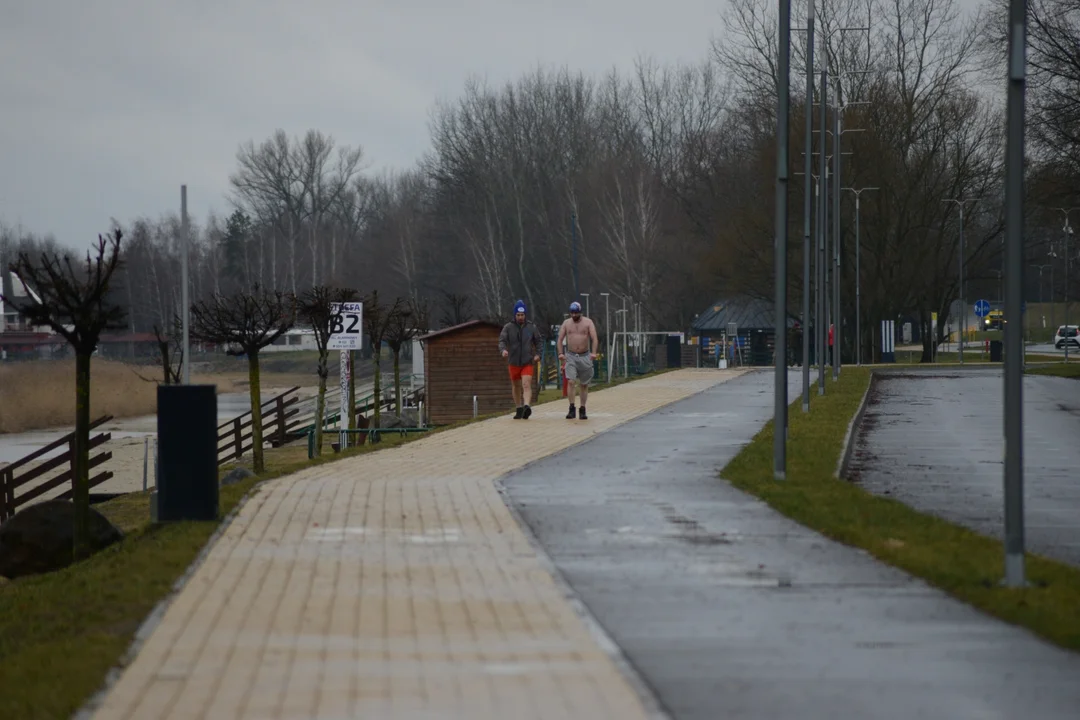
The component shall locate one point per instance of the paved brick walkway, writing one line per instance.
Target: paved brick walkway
(394, 584)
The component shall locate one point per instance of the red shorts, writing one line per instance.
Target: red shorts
(516, 371)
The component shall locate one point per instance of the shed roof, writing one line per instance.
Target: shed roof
(458, 328)
(749, 313)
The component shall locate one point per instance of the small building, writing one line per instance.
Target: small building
(461, 362)
(753, 322)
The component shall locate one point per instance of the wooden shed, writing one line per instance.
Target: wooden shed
(460, 362)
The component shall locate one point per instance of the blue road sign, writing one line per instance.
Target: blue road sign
(982, 308)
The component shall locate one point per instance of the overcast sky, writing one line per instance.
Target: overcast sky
(110, 105)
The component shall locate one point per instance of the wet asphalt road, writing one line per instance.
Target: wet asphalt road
(935, 441)
(729, 610)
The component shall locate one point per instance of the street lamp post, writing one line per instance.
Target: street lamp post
(808, 166)
(185, 311)
(1040, 269)
(1067, 229)
(823, 187)
(858, 277)
(780, 425)
(963, 303)
(626, 345)
(1068, 233)
(607, 332)
(586, 296)
(1014, 296)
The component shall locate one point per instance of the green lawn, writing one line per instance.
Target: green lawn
(957, 560)
(1072, 370)
(61, 632)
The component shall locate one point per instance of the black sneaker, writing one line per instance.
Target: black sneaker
(572, 414)
(520, 413)
(581, 413)
(527, 413)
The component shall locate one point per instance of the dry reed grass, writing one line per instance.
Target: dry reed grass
(41, 394)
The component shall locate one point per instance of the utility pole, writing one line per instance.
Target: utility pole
(783, 112)
(963, 303)
(823, 185)
(185, 301)
(837, 314)
(838, 134)
(607, 333)
(1068, 233)
(626, 345)
(574, 240)
(808, 166)
(1014, 298)
(858, 276)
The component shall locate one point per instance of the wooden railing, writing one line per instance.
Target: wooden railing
(11, 479)
(278, 426)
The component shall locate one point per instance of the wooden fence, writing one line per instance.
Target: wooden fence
(279, 424)
(11, 479)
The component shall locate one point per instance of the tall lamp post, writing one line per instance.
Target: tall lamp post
(607, 333)
(1068, 233)
(185, 311)
(963, 303)
(858, 276)
(1014, 296)
(783, 112)
(808, 165)
(625, 364)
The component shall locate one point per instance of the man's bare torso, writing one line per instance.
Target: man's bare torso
(577, 334)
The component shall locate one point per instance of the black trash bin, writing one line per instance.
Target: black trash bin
(674, 351)
(187, 481)
(996, 347)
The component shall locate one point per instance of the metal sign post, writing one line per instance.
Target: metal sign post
(346, 324)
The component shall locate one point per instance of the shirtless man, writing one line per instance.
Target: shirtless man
(578, 332)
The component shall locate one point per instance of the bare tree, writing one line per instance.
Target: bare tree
(268, 186)
(378, 319)
(323, 187)
(169, 348)
(75, 304)
(410, 321)
(315, 308)
(456, 309)
(244, 323)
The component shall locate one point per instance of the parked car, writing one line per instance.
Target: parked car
(1067, 334)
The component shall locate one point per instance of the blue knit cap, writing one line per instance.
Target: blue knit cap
(519, 307)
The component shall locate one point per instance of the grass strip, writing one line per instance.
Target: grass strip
(963, 563)
(1071, 370)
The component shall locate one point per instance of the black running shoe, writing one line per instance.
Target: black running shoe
(527, 413)
(520, 413)
(572, 414)
(581, 413)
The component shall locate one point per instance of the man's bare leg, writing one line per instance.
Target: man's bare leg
(572, 390)
(584, 394)
(516, 384)
(526, 394)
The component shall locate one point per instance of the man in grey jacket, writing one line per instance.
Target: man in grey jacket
(519, 343)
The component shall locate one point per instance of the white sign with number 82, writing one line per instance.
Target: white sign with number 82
(346, 326)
